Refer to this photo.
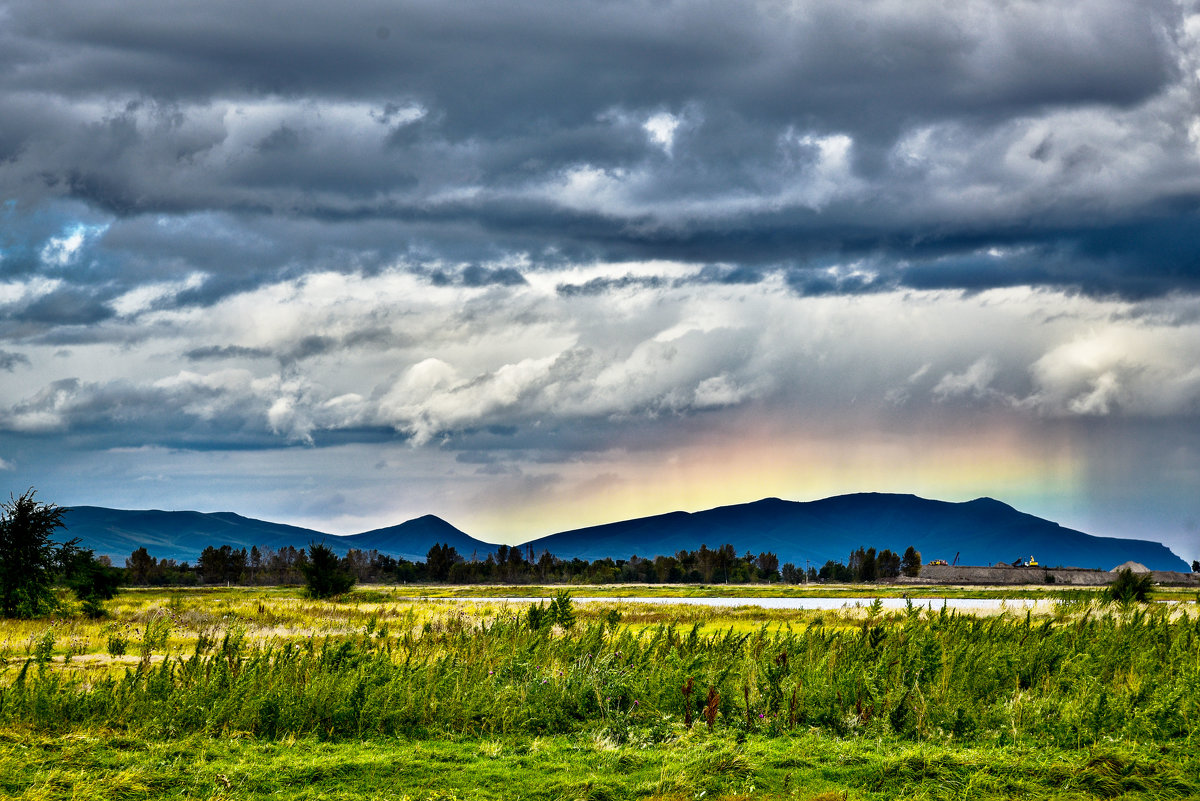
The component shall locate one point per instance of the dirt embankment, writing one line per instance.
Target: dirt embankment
(943, 574)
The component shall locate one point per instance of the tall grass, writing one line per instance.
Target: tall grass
(920, 676)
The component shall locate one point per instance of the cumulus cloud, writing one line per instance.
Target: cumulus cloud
(359, 356)
(1136, 368)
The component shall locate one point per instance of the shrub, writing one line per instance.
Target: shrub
(1130, 587)
(117, 645)
(561, 611)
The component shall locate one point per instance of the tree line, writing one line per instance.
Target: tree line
(512, 565)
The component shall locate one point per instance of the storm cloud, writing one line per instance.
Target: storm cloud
(540, 235)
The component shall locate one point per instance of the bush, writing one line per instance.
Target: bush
(1130, 587)
(561, 610)
(117, 645)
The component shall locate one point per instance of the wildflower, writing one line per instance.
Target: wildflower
(635, 703)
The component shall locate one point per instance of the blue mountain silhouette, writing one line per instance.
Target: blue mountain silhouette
(981, 532)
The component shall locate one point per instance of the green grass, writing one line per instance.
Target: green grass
(104, 765)
(243, 693)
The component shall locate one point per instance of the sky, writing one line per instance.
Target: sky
(535, 265)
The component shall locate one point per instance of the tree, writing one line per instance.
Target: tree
(1196, 565)
(862, 564)
(767, 564)
(910, 563)
(28, 556)
(139, 565)
(441, 557)
(887, 564)
(324, 573)
(835, 571)
(1130, 587)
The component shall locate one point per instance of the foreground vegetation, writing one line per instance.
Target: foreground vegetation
(243, 693)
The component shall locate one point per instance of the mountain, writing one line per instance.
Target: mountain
(982, 532)
(183, 535)
(412, 539)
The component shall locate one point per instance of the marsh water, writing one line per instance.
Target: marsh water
(957, 604)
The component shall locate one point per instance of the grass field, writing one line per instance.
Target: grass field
(246, 693)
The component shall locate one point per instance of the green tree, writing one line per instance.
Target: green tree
(862, 565)
(767, 564)
(1130, 587)
(139, 565)
(28, 556)
(441, 558)
(93, 581)
(910, 563)
(324, 573)
(887, 564)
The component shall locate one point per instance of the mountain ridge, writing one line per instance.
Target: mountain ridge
(981, 531)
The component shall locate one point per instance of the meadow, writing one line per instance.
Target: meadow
(260, 692)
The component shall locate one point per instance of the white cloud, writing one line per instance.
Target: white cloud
(1105, 390)
(394, 351)
(975, 381)
(145, 296)
(12, 292)
(661, 129)
(1132, 367)
(718, 391)
(63, 251)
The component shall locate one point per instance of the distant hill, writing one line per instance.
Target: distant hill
(183, 535)
(983, 531)
(412, 539)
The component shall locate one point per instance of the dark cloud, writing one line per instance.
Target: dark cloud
(65, 307)
(9, 360)
(495, 67)
(225, 352)
(214, 137)
(597, 286)
(476, 276)
(1136, 259)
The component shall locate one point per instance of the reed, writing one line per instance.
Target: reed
(379, 670)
